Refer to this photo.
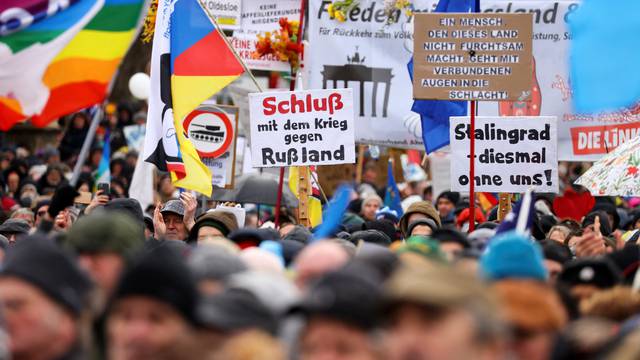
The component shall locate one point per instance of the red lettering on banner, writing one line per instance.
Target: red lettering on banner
(295, 105)
(588, 140)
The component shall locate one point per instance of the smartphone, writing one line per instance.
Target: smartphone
(104, 187)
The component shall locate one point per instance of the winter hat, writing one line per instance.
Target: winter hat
(609, 209)
(424, 246)
(387, 213)
(383, 225)
(174, 206)
(420, 207)
(299, 233)
(234, 310)
(451, 236)
(350, 295)
(105, 233)
(512, 255)
(14, 226)
(40, 262)
(599, 272)
(555, 251)
(212, 262)
(370, 198)
(378, 258)
(161, 274)
(371, 236)
(127, 206)
(224, 221)
(428, 222)
(452, 196)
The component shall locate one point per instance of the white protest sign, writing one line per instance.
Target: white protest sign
(228, 13)
(134, 135)
(306, 127)
(213, 130)
(511, 154)
(259, 17)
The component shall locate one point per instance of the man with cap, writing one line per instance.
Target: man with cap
(174, 220)
(446, 205)
(212, 224)
(418, 210)
(12, 229)
(339, 313)
(153, 311)
(435, 312)
(43, 294)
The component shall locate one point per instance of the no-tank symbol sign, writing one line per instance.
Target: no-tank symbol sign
(210, 130)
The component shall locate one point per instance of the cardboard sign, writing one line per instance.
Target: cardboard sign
(472, 56)
(308, 127)
(259, 17)
(228, 13)
(212, 130)
(511, 154)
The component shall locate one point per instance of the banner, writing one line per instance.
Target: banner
(581, 137)
(259, 17)
(307, 127)
(483, 57)
(512, 155)
(226, 12)
(213, 131)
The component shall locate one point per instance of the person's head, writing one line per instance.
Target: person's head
(452, 242)
(418, 210)
(446, 202)
(555, 256)
(370, 206)
(104, 243)
(79, 121)
(13, 229)
(586, 276)
(173, 214)
(211, 266)
(512, 256)
(435, 312)
(340, 312)
(317, 259)
(370, 172)
(535, 314)
(424, 227)
(43, 293)
(24, 214)
(165, 186)
(558, 233)
(213, 224)
(13, 181)
(153, 311)
(54, 176)
(41, 211)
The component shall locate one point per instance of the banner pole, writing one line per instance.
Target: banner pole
(291, 88)
(472, 155)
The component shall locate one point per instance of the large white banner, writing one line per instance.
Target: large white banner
(259, 17)
(305, 127)
(366, 54)
(511, 155)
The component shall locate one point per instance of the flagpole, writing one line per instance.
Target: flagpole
(472, 155)
(233, 51)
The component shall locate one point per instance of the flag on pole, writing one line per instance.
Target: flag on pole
(392, 198)
(315, 204)
(183, 75)
(103, 175)
(434, 114)
(521, 216)
(64, 62)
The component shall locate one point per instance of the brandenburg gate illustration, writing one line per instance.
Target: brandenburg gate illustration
(355, 70)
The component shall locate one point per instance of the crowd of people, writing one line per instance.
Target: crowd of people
(108, 279)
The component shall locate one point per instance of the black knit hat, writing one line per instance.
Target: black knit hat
(384, 225)
(371, 236)
(605, 226)
(599, 272)
(452, 196)
(351, 295)
(40, 262)
(161, 274)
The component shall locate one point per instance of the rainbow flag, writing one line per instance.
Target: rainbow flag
(190, 62)
(65, 62)
(487, 201)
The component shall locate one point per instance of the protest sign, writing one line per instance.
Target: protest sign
(134, 135)
(307, 127)
(472, 56)
(581, 137)
(512, 154)
(226, 12)
(213, 130)
(259, 17)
